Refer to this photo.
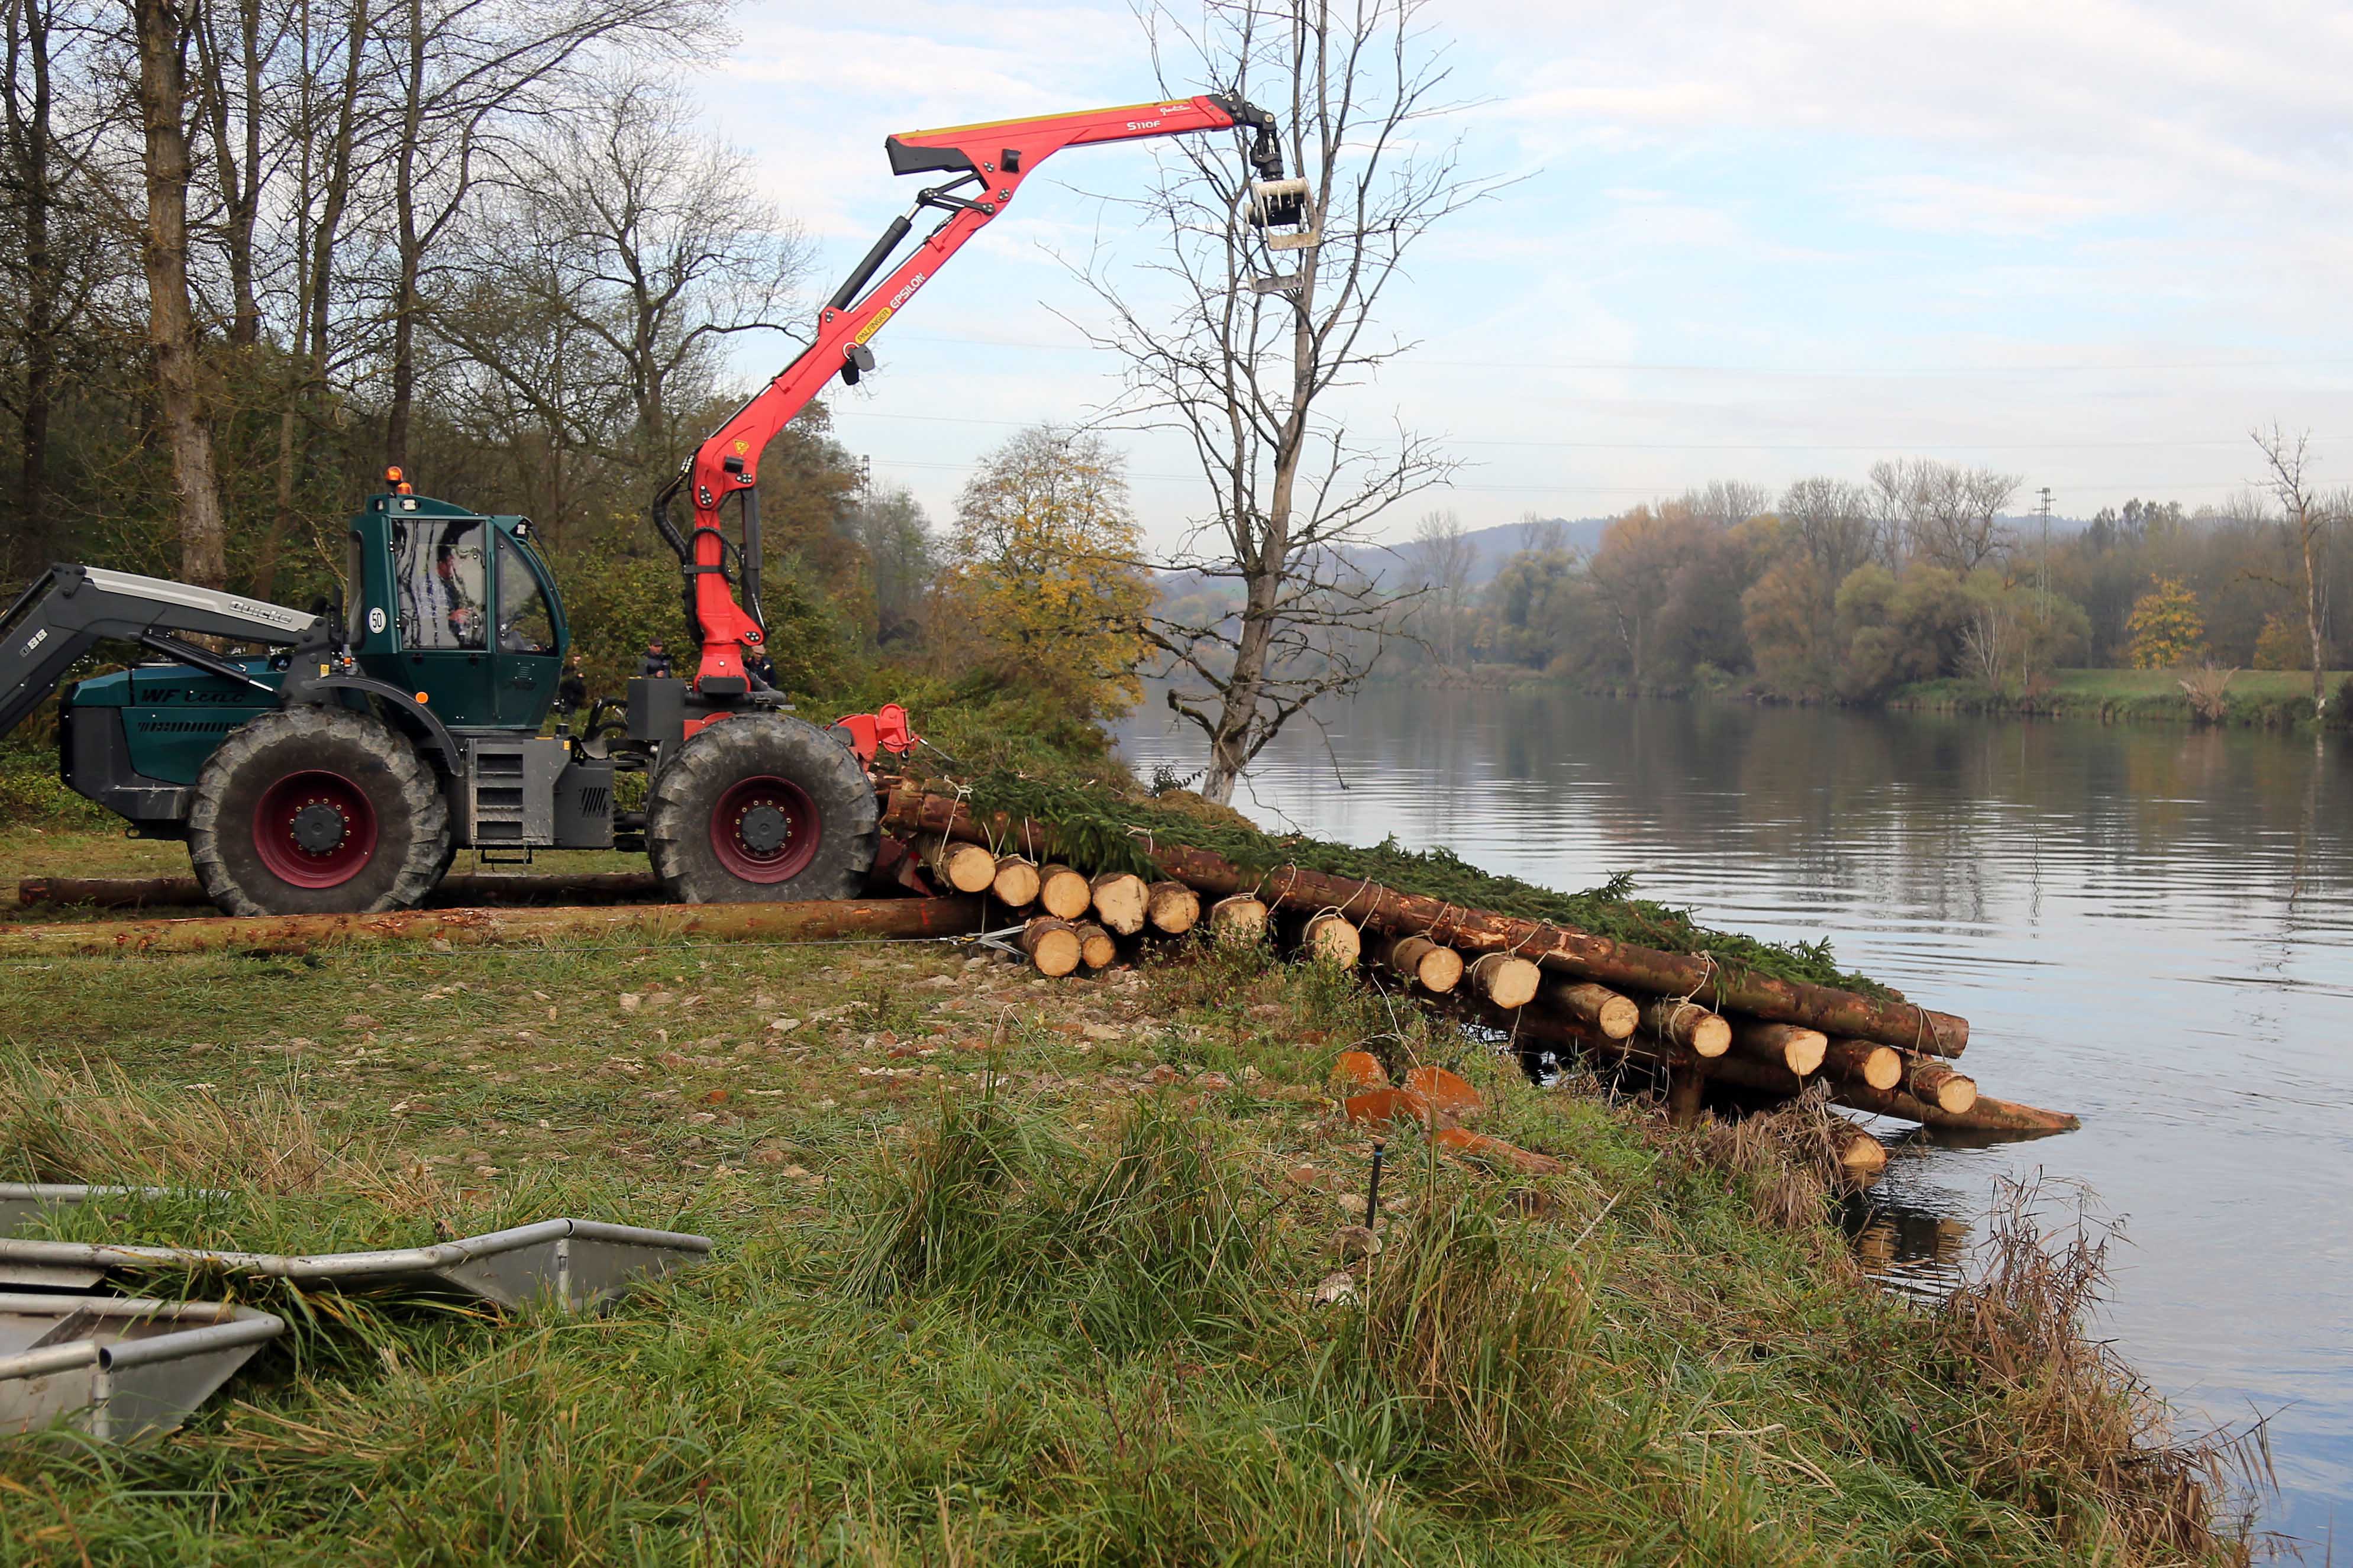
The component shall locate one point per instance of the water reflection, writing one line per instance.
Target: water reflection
(1918, 1252)
(2147, 925)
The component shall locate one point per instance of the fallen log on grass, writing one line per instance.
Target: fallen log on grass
(1616, 1016)
(1330, 939)
(1686, 1024)
(1618, 964)
(966, 868)
(463, 887)
(1096, 949)
(1505, 980)
(635, 924)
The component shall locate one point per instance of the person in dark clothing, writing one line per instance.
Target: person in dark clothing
(657, 659)
(572, 691)
(761, 667)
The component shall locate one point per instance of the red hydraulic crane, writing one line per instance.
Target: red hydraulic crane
(989, 162)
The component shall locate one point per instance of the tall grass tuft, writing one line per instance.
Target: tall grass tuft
(1471, 1333)
(2074, 1432)
(946, 1214)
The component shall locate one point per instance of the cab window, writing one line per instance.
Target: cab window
(443, 580)
(525, 623)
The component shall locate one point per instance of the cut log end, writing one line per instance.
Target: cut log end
(1616, 1016)
(1016, 883)
(1063, 892)
(1239, 919)
(1689, 1024)
(1865, 1061)
(1859, 1155)
(1932, 1082)
(966, 868)
(1330, 939)
(1504, 980)
(1119, 900)
(1096, 948)
(1053, 945)
(1172, 908)
(1435, 968)
(1790, 1046)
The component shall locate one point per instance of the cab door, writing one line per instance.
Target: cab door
(528, 656)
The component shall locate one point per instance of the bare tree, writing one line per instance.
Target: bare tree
(1945, 514)
(1836, 523)
(2308, 517)
(1728, 503)
(464, 71)
(1443, 558)
(626, 248)
(164, 29)
(1249, 376)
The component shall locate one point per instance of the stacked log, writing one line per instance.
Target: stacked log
(1096, 949)
(1120, 900)
(1171, 908)
(1437, 970)
(1329, 938)
(1239, 920)
(1062, 893)
(1685, 1012)
(966, 868)
(1505, 981)
(1016, 883)
(1790, 1046)
(1053, 945)
(1614, 1015)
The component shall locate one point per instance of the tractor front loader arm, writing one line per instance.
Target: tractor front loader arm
(988, 163)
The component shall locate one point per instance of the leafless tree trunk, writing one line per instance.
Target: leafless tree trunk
(1247, 375)
(1949, 516)
(464, 70)
(1444, 558)
(234, 112)
(163, 31)
(31, 178)
(2308, 518)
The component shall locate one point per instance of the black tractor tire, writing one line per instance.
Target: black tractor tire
(316, 810)
(762, 807)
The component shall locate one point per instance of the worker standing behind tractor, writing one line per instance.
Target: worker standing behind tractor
(343, 771)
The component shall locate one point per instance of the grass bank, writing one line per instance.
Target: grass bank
(1011, 1272)
(2262, 699)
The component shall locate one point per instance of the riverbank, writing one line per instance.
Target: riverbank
(1008, 1271)
(2253, 699)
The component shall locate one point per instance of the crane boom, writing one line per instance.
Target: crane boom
(990, 160)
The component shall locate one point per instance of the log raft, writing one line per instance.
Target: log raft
(1582, 955)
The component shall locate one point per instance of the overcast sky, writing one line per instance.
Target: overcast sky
(2091, 243)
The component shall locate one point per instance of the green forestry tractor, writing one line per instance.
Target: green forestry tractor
(337, 760)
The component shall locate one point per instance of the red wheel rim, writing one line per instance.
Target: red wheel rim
(766, 829)
(314, 829)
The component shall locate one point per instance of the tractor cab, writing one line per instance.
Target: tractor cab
(456, 607)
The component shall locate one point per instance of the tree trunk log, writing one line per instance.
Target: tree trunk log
(653, 924)
(1932, 1082)
(1063, 892)
(1096, 949)
(1054, 946)
(1687, 1086)
(1119, 900)
(1016, 883)
(1329, 938)
(1859, 1155)
(1616, 1016)
(1241, 919)
(966, 868)
(1876, 1066)
(1790, 1046)
(1581, 954)
(1505, 981)
(1172, 908)
(1689, 1024)
(1437, 970)
(457, 888)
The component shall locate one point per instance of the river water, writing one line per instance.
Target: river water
(2148, 925)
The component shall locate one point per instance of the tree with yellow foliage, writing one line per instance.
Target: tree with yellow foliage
(1042, 584)
(2167, 629)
